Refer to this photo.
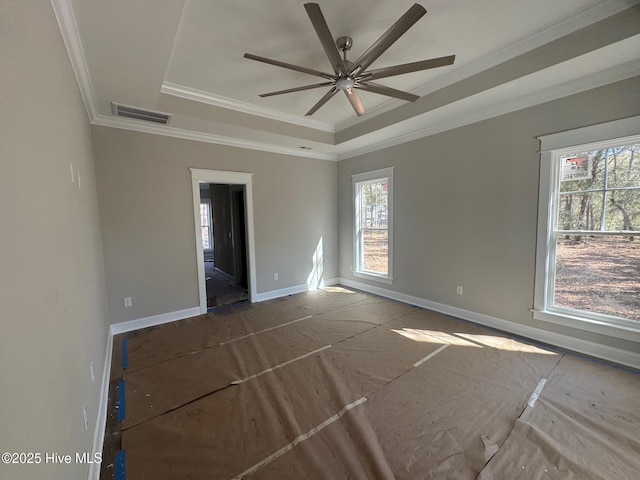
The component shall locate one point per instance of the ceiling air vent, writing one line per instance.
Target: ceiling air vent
(140, 114)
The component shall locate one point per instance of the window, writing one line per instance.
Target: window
(588, 266)
(373, 225)
(205, 225)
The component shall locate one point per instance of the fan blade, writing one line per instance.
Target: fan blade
(296, 89)
(324, 34)
(322, 101)
(354, 100)
(408, 68)
(290, 66)
(388, 91)
(388, 38)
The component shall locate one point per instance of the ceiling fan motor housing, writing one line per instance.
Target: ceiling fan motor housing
(345, 83)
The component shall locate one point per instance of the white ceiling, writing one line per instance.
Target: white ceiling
(186, 58)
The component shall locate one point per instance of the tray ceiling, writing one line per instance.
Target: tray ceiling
(185, 58)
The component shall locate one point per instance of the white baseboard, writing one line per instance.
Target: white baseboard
(283, 292)
(153, 320)
(130, 325)
(604, 352)
(101, 418)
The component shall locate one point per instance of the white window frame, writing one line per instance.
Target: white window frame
(357, 180)
(620, 132)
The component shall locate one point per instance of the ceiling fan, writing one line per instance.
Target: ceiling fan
(350, 76)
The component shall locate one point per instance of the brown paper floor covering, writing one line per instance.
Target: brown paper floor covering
(337, 384)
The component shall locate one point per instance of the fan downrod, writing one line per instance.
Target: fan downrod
(344, 82)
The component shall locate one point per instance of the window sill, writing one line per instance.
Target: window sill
(374, 277)
(603, 327)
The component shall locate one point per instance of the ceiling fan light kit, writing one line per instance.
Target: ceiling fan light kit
(348, 76)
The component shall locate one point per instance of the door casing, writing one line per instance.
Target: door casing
(232, 178)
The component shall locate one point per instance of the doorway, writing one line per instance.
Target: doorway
(223, 215)
(223, 242)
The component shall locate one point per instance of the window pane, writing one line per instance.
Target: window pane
(204, 214)
(375, 250)
(599, 274)
(374, 205)
(206, 241)
(624, 166)
(615, 170)
(597, 171)
(623, 210)
(580, 211)
(374, 219)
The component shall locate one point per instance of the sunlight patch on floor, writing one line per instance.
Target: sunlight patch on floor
(337, 290)
(434, 336)
(470, 340)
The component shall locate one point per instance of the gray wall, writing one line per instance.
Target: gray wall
(465, 205)
(149, 239)
(53, 320)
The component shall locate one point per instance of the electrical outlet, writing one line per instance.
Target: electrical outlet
(127, 301)
(275, 276)
(459, 290)
(84, 416)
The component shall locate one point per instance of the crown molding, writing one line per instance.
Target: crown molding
(238, 106)
(452, 120)
(63, 12)
(143, 127)
(587, 17)
(65, 18)
(476, 114)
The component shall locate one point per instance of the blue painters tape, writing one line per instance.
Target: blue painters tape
(120, 403)
(125, 354)
(120, 464)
